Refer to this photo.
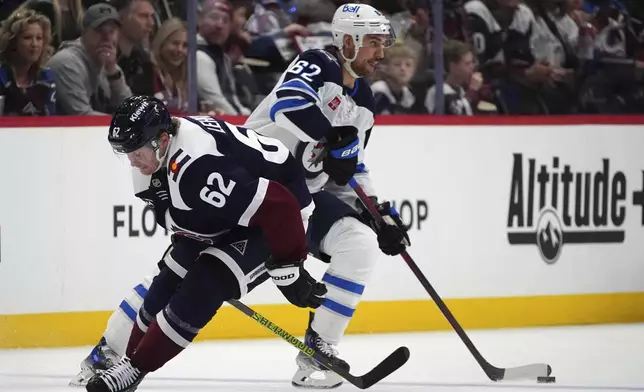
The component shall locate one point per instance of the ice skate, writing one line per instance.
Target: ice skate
(100, 359)
(310, 373)
(122, 377)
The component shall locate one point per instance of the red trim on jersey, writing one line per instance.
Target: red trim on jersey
(280, 219)
(90, 121)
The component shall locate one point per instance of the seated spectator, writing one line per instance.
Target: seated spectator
(462, 83)
(238, 42)
(311, 29)
(391, 92)
(267, 18)
(137, 24)
(26, 84)
(170, 53)
(554, 42)
(215, 78)
(71, 13)
(502, 33)
(88, 79)
(66, 17)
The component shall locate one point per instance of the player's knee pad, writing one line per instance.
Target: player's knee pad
(354, 251)
(353, 247)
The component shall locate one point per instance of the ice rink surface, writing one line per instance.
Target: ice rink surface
(585, 358)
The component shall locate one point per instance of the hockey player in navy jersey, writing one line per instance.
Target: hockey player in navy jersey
(323, 111)
(219, 188)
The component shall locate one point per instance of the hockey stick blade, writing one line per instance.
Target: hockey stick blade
(526, 372)
(495, 374)
(389, 365)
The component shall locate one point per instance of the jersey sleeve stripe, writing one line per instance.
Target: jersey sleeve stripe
(288, 104)
(298, 85)
(292, 93)
(258, 199)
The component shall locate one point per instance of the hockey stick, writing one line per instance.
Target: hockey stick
(389, 365)
(533, 371)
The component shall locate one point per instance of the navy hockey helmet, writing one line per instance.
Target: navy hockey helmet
(139, 120)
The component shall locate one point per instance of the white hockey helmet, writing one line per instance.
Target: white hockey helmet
(358, 20)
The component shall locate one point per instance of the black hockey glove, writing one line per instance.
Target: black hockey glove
(296, 284)
(392, 236)
(341, 154)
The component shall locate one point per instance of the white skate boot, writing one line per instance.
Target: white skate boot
(310, 373)
(100, 359)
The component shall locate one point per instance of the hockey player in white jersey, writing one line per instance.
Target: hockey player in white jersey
(323, 111)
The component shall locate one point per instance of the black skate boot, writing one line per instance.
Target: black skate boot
(100, 359)
(122, 377)
(308, 366)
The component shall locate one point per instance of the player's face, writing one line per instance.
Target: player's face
(175, 48)
(370, 54)
(144, 159)
(29, 44)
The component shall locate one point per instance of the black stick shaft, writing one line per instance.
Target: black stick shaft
(492, 372)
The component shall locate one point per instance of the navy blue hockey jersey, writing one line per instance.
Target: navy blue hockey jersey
(216, 177)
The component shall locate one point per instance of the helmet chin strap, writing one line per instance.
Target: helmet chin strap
(347, 66)
(162, 158)
(348, 61)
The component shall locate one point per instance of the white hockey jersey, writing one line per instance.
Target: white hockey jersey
(307, 101)
(492, 43)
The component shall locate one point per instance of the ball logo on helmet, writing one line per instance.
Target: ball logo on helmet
(350, 8)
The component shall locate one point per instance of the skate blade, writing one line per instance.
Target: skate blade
(303, 379)
(81, 379)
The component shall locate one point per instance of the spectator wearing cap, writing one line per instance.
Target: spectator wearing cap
(215, 77)
(134, 58)
(88, 79)
(25, 83)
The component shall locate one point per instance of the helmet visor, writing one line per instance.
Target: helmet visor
(145, 158)
(381, 29)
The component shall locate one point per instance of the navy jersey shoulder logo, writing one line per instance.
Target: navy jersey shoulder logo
(178, 160)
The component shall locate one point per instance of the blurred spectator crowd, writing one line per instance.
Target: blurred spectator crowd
(80, 57)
